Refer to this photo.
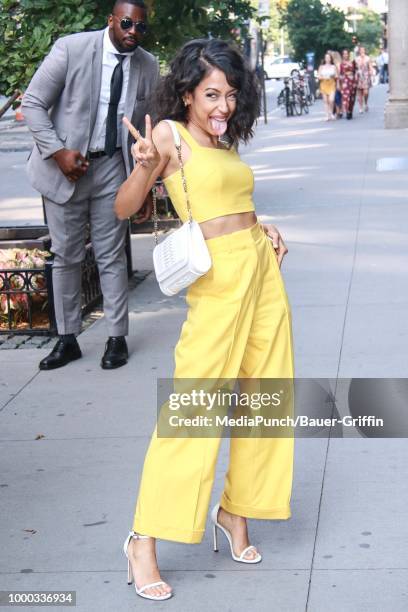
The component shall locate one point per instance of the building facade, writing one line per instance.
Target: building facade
(396, 110)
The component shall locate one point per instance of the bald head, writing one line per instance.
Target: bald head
(138, 3)
(127, 24)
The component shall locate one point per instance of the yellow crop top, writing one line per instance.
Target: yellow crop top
(218, 182)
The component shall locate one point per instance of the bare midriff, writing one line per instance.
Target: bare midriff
(227, 224)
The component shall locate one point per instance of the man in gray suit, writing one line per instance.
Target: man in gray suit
(74, 107)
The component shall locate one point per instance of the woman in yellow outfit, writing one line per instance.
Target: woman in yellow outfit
(328, 75)
(239, 319)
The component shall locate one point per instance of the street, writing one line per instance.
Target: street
(68, 497)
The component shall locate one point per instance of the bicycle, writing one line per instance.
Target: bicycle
(306, 81)
(302, 88)
(310, 97)
(289, 98)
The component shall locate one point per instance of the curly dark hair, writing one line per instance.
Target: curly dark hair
(194, 61)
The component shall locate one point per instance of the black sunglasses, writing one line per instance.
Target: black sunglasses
(126, 23)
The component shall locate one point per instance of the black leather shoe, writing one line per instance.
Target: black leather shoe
(116, 353)
(62, 353)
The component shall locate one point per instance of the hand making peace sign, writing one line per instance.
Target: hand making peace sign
(144, 151)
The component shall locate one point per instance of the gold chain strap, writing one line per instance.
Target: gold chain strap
(183, 179)
(155, 219)
(184, 182)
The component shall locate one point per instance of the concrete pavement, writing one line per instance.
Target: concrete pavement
(344, 547)
(20, 204)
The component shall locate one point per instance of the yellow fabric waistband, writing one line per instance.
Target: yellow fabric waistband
(236, 240)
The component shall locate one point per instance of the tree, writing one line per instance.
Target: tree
(28, 28)
(313, 26)
(174, 23)
(370, 30)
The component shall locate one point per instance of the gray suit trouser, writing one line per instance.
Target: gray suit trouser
(92, 202)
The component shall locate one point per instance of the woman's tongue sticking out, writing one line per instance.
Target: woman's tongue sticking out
(219, 126)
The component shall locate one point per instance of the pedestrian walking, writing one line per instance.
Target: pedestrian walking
(327, 75)
(383, 65)
(348, 84)
(364, 79)
(355, 47)
(73, 107)
(337, 105)
(239, 319)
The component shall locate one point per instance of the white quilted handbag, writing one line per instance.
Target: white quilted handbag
(182, 257)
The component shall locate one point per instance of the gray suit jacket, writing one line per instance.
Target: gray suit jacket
(61, 103)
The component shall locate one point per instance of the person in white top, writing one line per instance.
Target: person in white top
(327, 75)
(109, 62)
(383, 65)
(74, 107)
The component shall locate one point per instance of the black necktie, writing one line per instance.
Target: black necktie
(111, 136)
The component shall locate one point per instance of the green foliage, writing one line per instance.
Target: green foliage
(313, 26)
(172, 23)
(370, 30)
(28, 28)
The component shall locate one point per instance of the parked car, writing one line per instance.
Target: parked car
(279, 67)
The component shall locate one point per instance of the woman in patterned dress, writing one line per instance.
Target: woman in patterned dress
(348, 83)
(364, 76)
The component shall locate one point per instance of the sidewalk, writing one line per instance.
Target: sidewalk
(20, 204)
(344, 549)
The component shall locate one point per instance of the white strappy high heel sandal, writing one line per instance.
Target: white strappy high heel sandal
(141, 591)
(216, 525)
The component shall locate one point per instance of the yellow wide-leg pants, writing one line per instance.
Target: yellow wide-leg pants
(238, 325)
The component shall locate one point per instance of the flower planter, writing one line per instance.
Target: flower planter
(26, 291)
(24, 304)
